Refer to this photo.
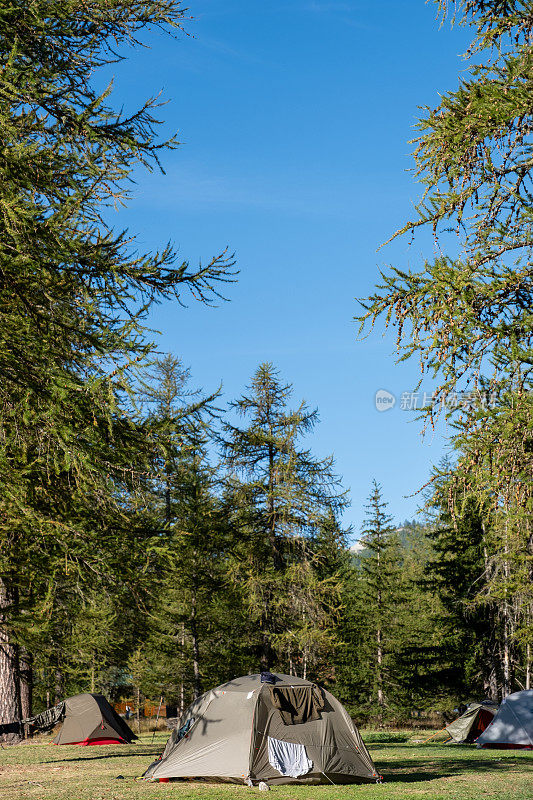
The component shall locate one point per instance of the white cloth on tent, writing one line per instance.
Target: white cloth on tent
(288, 758)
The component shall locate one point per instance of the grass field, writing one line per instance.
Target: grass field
(410, 770)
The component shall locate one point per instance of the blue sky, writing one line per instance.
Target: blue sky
(294, 119)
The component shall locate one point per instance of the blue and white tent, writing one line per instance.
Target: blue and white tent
(513, 724)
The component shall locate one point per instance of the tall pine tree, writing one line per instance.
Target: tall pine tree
(188, 645)
(280, 494)
(73, 294)
(378, 596)
(466, 312)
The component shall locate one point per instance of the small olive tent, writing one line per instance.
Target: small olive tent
(466, 728)
(272, 728)
(512, 727)
(89, 719)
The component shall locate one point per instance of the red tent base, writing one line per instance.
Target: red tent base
(506, 746)
(89, 742)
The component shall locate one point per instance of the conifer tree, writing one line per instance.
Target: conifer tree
(380, 594)
(280, 494)
(427, 666)
(458, 572)
(187, 647)
(308, 606)
(73, 294)
(312, 603)
(466, 313)
(422, 671)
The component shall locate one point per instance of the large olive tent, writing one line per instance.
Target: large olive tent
(512, 727)
(272, 728)
(466, 728)
(89, 720)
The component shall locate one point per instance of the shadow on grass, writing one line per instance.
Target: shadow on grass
(141, 753)
(415, 771)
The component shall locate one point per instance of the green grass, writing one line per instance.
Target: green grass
(431, 771)
(387, 737)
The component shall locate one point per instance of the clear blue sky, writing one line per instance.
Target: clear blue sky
(295, 119)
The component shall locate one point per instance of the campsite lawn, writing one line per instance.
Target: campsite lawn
(410, 770)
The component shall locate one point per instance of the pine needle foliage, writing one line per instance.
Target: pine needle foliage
(467, 313)
(73, 296)
(281, 495)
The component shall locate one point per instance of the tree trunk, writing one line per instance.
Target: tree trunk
(379, 661)
(506, 655)
(379, 645)
(379, 664)
(168, 496)
(182, 686)
(59, 687)
(266, 653)
(506, 641)
(195, 651)
(490, 684)
(492, 659)
(25, 685)
(182, 699)
(9, 668)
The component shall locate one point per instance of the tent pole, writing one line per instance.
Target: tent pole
(432, 735)
(157, 719)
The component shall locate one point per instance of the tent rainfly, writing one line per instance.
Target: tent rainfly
(512, 727)
(466, 728)
(267, 728)
(89, 720)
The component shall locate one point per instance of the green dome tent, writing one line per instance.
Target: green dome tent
(90, 720)
(466, 728)
(87, 719)
(281, 729)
